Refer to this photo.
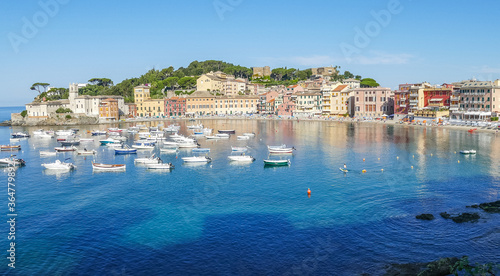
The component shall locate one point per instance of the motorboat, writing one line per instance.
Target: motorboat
(243, 137)
(188, 145)
(212, 137)
(282, 151)
(200, 150)
(270, 162)
(108, 167)
(65, 132)
(125, 150)
(47, 153)
(86, 152)
(98, 132)
(109, 141)
(160, 166)
(58, 165)
(114, 129)
(143, 146)
(68, 143)
(283, 146)
(169, 150)
(249, 134)
(64, 149)
(114, 145)
(12, 162)
(240, 149)
(227, 131)
(197, 159)
(241, 158)
(468, 151)
(10, 147)
(20, 135)
(171, 144)
(148, 160)
(222, 135)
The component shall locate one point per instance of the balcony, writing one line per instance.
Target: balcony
(402, 105)
(413, 102)
(453, 98)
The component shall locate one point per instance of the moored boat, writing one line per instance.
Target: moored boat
(125, 150)
(270, 162)
(228, 131)
(468, 151)
(243, 137)
(20, 135)
(160, 166)
(212, 137)
(47, 153)
(282, 151)
(11, 161)
(200, 150)
(10, 147)
(197, 159)
(109, 141)
(249, 134)
(240, 149)
(148, 160)
(108, 167)
(241, 158)
(143, 146)
(222, 135)
(63, 149)
(58, 165)
(86, 152)
(68, 143)
(98, 132)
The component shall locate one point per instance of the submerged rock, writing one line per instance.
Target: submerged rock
(463, 217)
(435, 268)
(425, 216)
(491, 207)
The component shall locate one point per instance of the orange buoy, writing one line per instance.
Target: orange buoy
(363, 171)
(308, 191)
(363, 160)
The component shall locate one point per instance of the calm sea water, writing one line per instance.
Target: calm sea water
(230, 219)
(6, 111)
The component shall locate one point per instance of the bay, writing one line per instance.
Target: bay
(228, 219)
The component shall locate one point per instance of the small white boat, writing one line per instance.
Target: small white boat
(48, 153)
(63, 149)
(197, 159)
(11, 161)
(277, 147)
(222, 135)
(143, 146)
(39, 132)
(195, 126)
(188, 145)
(149, 160)
(241, 158)
(468, 151)
(65, 132)
(58, 165)
(212, 137)
(282, 151)
(15, 140)
(86, 152)
(114, 145)
(169, 150)
(45, 136)
(240, 149)
(160, 166)
(243, 137)
(108, 167)
(249, 134)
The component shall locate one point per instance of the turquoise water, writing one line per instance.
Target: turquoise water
(228, 219)
(6, 111)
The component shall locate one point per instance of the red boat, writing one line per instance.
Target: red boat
(9, 147)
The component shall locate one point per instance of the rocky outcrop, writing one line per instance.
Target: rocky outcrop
(436, 268)
(490, 207)
(425, 216)
(463, 217)
(58, 120)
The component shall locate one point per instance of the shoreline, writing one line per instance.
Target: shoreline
(337, 120)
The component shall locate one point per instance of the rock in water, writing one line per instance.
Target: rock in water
(464, 217)
(492, 207)
(425, 217)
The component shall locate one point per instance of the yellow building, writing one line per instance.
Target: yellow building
(200, 103)
(147, 107)
(236, 105)
(339, 100)
(213, 82)
(108, 109)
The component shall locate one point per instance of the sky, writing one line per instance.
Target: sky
(393, 41)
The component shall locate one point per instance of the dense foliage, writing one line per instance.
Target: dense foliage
(63, 110)
(169, 79)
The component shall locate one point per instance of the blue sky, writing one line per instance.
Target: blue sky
(74, 41)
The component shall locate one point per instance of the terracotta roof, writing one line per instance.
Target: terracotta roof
(339, 88)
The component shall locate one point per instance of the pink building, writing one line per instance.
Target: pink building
(266, 104)
(175, 106)
(373, 102)
(287, 107)
(402, 101)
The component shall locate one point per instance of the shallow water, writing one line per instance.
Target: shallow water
(228, 219)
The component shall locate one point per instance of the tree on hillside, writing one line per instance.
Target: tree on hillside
(187, 82)
(278, 73)
(171, 82)
(38, 87)
(368, 82)
(358, 77)
(348, 75)
(105, 82)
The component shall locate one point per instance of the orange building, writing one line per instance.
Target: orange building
(108, 109)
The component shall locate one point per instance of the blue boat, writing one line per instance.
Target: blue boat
(98, 132)
(201, 150)
(125, 150)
